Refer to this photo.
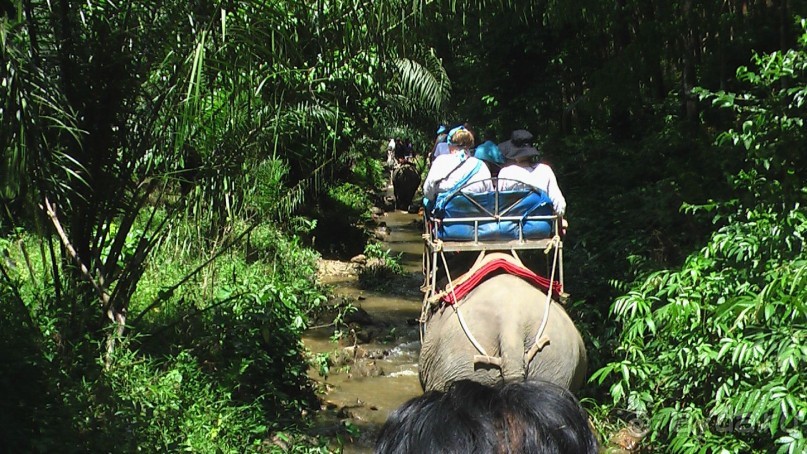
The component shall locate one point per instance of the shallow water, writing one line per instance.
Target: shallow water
(365, 392)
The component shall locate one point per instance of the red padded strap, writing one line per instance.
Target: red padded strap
(496, 266)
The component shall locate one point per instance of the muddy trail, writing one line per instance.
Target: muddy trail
(373, 366)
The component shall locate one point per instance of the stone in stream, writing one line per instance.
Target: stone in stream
(365, 369)
(360, 259)
(359, 316)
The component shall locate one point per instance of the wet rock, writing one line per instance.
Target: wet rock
(377, 211)
(360, 259)
(389, 203)
(328, 405)
(329, 430)
(382, 232)
(627, 440)
(347, 356)
(363, 336)
(339, 358)
(360, 317)
(366, 369)
(375, 262)
(327, 268)
(356, 352)
(349, 411)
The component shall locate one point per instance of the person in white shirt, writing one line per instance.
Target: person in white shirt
(521, 171)
(448, 170)
(391, 150)
(390, 163)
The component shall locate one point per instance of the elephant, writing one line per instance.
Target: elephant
(503, 314)
(405, 182)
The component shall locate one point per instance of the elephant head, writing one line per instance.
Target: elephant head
(490, 336)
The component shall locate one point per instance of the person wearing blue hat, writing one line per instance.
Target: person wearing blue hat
(488, 152)
(442, 148)
(457, 169)
(442, 138)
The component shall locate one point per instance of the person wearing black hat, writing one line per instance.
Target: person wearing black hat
(521, 171)
(457, 168)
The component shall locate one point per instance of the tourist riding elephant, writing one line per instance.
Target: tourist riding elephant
(503, 314)
(405, 182)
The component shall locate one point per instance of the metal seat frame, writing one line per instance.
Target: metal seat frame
(435, 248)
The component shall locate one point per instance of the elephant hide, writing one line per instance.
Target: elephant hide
(405, 182)
(504, 314)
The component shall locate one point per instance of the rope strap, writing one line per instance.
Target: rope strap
(540, 339)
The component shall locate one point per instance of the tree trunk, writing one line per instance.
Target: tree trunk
(688, 79)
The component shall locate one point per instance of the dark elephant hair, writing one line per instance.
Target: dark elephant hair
(518, 417)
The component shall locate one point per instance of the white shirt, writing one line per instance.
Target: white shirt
(391, 153)
(441, 178)
(540, 176)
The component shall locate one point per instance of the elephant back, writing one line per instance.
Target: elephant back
(405, 173)
(405, 182)
(503, 314)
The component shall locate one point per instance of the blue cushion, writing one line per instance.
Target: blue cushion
(520, 204)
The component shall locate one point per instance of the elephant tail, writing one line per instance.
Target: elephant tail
(511, 360)
(511, 345)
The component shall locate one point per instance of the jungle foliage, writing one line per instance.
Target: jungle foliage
(155, 159)
(712, 353)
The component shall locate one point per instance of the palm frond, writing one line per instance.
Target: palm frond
(423, 81)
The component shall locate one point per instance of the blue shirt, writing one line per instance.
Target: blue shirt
(441, 149)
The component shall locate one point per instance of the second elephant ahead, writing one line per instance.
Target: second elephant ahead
(405, 182)
(503, 314)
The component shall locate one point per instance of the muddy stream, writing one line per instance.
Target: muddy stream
(374, 367)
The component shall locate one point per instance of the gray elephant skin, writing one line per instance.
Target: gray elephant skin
(405, 182)
(504, 314)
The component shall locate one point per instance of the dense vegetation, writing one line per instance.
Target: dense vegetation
(711, 352)
(166, 169)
